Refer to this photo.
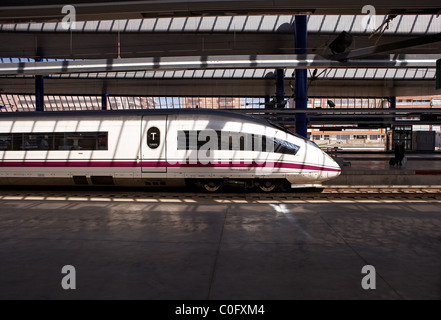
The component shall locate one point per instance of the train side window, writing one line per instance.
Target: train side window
(188, 140)
(258, 143)
(202, 134)
(84, 141)
(89, 142)
(54, 141)
(59, 143)
(74, 141)
(208, 136)
(226, 140)
(5, 142)
(264, 138)
(182, 140)
(236, 141)
(38, 141)
(17, 141)
(30, 142)
(248, 142)
(220, 142)
(103, 141)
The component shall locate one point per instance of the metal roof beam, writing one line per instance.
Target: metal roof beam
(95, 45)
(388, 47)
(368, 112)
(217, 87)
(404, 25)
(211, 62)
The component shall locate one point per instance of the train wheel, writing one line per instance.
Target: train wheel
(267, 186)
(212, 185)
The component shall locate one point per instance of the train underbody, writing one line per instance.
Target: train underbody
(210, 185)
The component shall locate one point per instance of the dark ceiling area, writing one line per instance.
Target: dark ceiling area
(81, 45)
(28, 10)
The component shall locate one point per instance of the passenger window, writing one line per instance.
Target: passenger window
(54, 141)
(5, 142)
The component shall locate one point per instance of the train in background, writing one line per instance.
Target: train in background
(156, 148)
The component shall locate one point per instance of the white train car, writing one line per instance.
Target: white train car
(156, 148)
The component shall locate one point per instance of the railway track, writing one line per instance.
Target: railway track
(327, 195)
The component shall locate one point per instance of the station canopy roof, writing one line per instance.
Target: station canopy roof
(47, 10)
(199, 35)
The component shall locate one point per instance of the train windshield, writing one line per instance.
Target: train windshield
(286, 130)
(281, 146)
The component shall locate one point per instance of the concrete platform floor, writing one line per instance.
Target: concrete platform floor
(206, 250)
(380, 161)
(383, 164)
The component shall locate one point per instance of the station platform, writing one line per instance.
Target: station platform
(186, 247)
(367, 168)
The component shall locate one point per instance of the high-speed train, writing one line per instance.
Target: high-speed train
(155, 148)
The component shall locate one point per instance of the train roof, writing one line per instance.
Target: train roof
(132, 112)
(142, 112)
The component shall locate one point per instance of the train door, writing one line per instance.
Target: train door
(153, 144)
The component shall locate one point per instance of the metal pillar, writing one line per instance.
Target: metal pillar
(390, 139)
(280, 88)
(104, 101)
(393, 102)
(267, 101)
(39, 91)
(301, 84)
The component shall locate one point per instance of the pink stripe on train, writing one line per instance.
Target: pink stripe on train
(282, 165)
(158, 164)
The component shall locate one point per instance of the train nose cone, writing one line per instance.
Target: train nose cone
(334, 173)
(331, 167)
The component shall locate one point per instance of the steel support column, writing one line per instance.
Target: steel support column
(393, 102)
(39, 91)
(267, 101)
(104, 101)
(301, 84)
(280, 88)
(389, 134)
